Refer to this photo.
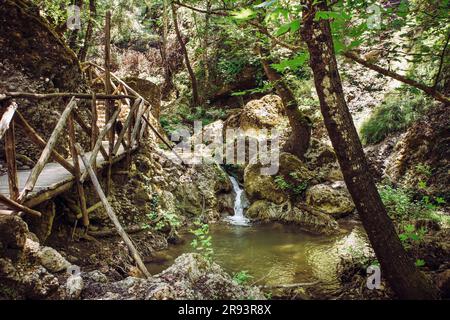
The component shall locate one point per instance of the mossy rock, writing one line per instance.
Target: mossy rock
(263, 187)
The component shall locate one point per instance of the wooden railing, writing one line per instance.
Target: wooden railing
(122, 100)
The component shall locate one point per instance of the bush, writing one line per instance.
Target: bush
(394, 114)
(402, 207)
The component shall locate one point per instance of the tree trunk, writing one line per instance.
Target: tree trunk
(89, 31)
(402, 275)
(300, 138)
(195, 95)
(168, 82)
(73, 38)
(206, 42)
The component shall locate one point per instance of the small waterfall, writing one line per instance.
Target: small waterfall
(238, 219)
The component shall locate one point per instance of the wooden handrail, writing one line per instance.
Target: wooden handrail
(44, 96)
(34, 175)
(98, 144)
(125, 126)
(7, 118)
(39, 141)
(18, 207)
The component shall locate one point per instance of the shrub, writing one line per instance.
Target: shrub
(242, 277)
(402, 207)
(394, 114)
(202, 242)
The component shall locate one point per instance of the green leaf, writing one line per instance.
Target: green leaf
(244, 14)
(293, 64)
(288, 27)
(420, 263)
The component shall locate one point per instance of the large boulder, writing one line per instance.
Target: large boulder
(264, 187)
(265, 113)
(191, 277)
(150, 91)
(331, 200)
(306, 218)
(13, 231)
(52, 260)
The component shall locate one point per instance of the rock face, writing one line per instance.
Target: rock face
(32, 276)
(426, 142)
(333, 201)
(266, 112)
(150, 91)
(191, 277)
(306, 218)
(12, 236)
(264, 187)
(34, 59)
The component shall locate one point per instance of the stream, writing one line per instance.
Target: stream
(271, 253)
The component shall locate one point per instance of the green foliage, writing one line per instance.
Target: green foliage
(242, 277)
(293, 183)
(292, 64)
(54, 11)
(402, 207)
(202, 242)
(395, 114)
(168, 220)
(400, 204)
(411, 235)
(184, 115)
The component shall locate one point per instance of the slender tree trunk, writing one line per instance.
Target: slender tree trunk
(206, 42)
(402, 275)
(89, 30)
(300, 138)
(195, 95)
(168, 82)
(74, 34)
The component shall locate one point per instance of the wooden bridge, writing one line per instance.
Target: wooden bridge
(53, 174)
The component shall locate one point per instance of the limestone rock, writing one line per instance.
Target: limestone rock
(306, 218)
(266, 112)
(13, 233)
(263, 187)
(74, 287)
(332, 201)
(52, 260)
(191, 277)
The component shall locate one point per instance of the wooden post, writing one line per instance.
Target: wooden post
(6, 118)
(109, 210)
(76, 163)
(18, 207)
(125, 127)
(34, 175)
(39, 141)
(108, 89)
(10, 151)
(162, 138)
(88, 131)
(94, 126)
(99, 142)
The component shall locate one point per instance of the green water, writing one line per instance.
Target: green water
(272, 254)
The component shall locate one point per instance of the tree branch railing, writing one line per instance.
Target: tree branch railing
(128, 137)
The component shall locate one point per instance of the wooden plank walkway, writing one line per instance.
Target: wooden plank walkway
(53, 178)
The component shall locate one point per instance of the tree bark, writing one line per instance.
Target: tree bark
(402, 275)
(89, 31)
(195, 96)
(168, 82)
(300, 138)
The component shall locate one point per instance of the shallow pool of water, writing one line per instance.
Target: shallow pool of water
(271, 253)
